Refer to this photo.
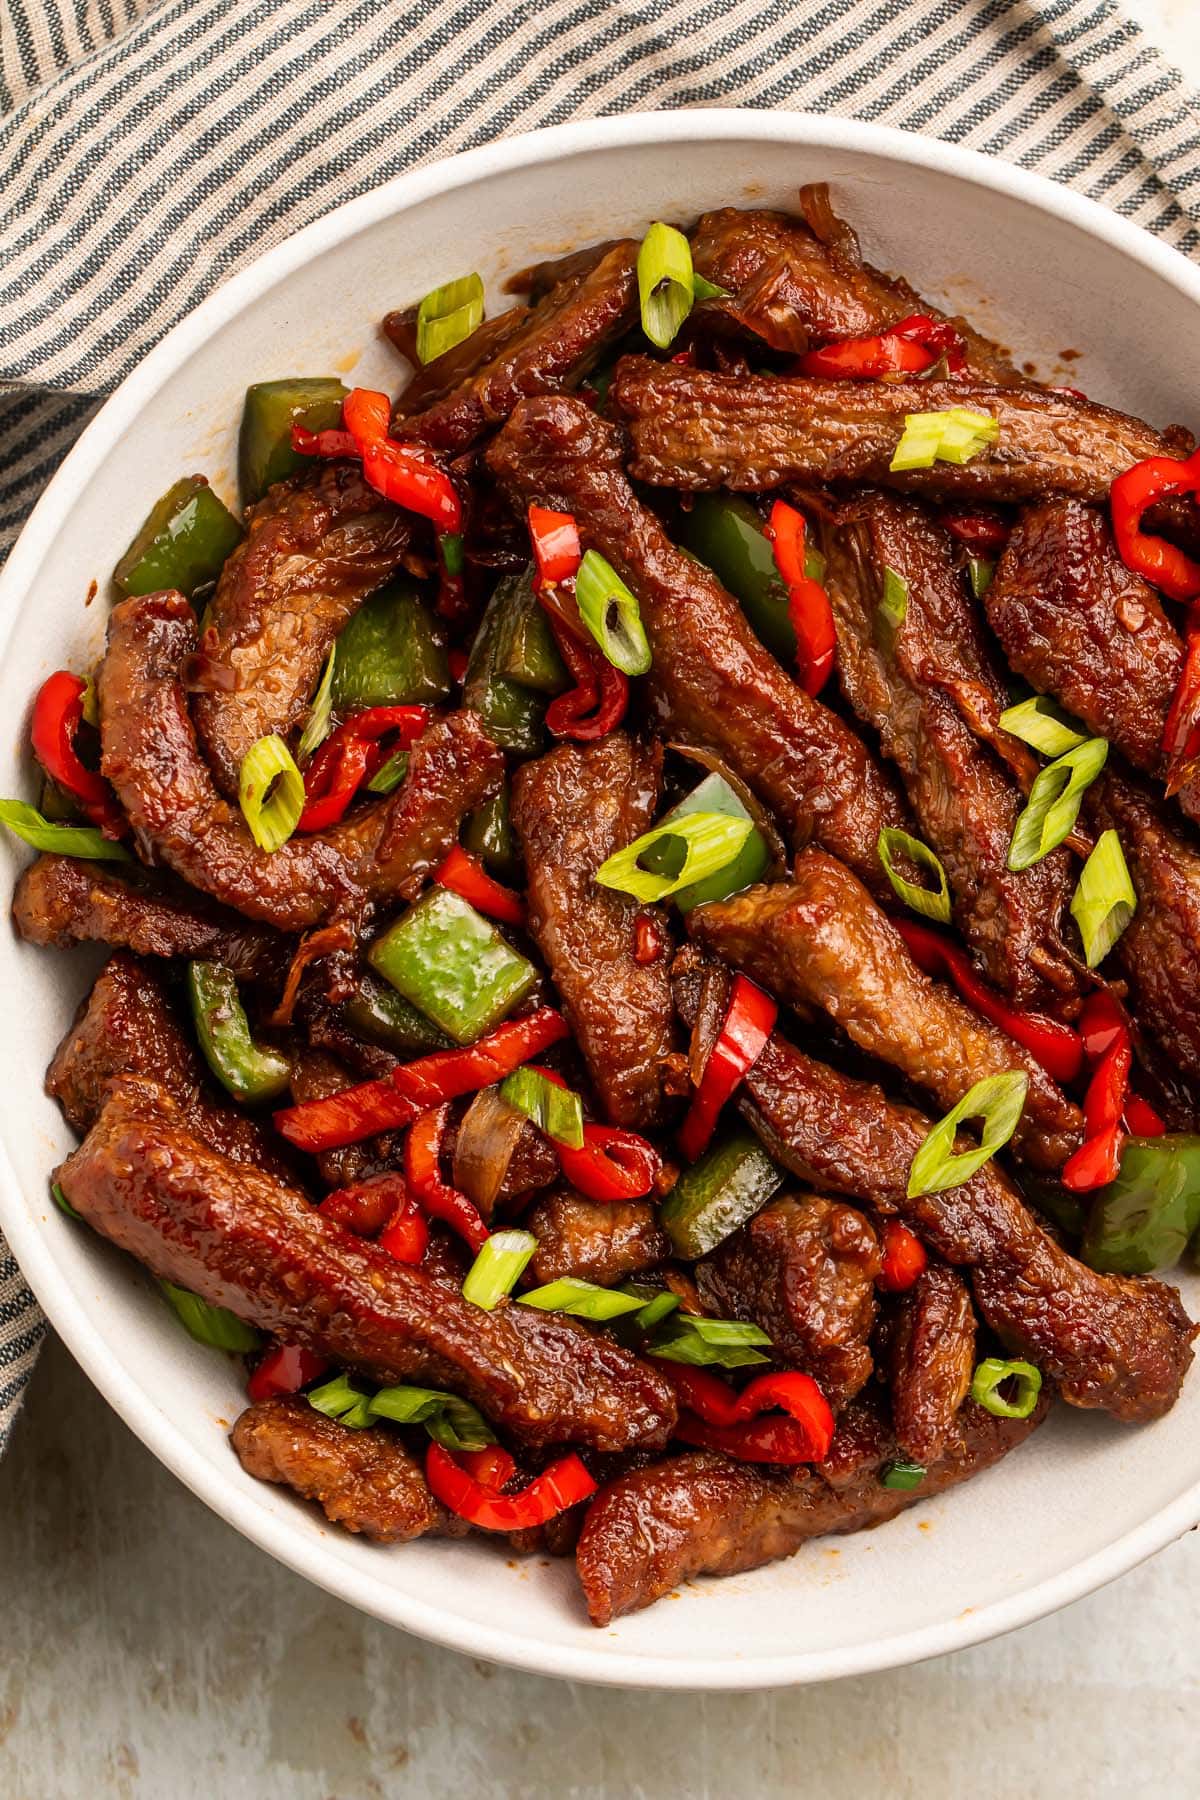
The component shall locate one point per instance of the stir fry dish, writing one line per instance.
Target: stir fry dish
(653, 902)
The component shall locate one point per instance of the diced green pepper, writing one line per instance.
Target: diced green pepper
(251, 1073)
(265, 453)
(183, 544)
(453, 965)
(511, 713)
(379, 1014)
(488, 833)
(1142, 1221)
(390, 654)
(717, 1194)
(714, 795)
(525, 648)
(728, 534)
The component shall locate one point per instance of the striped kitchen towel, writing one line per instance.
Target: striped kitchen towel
(149, 148)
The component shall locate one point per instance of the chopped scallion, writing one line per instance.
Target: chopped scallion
(1104, 901)
(584, 1299)
(63, 1204)
(998, 1101)
(992, 1374)
(558, 1111)
(340, 1399)
(902, 1475)
(657, 1304)
(931, 903)
(320, 713)
(894, 604)
(498, 1267)
(450, 1421)
(448, 315)
(27, 823)
(702, 289)
(728, 1342)
(954, 435)
(390, 775)
(980, 572)
(611, 614)
(215, 1326)
(1040, 723)
(711, 841)
(270, 792)
(1053, 804)
(666, 282)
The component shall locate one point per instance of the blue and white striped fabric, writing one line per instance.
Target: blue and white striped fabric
(149, 148)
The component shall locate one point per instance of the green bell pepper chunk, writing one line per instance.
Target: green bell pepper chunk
(488, 833)
(453, 965)
(525, 648)
(183, 544)
(1143, 1220)
(265, 453)
(390, 654)
(727, 1186)
(379, 1014)
(512, 714)
(250, 1072)
(727, 533)
(714, 795)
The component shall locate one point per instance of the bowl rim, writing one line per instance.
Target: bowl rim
(255, 1518)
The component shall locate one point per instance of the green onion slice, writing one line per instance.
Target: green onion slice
(980, 572)
(90, 703)
(711, 841)
(727, 1342)
(320, 713)
(611, 614)
(555, 1110)
(1040, 723)
(448, 315)
(63, 1204)
(703, 289)
(931, 903)
(998, 1101)
(27, 823)
(390, 774)
(584, 1299)
(450, 1421)
(894, 605)
(1104, 900)
(990, 1377)
(498, 1267)
(1053, 804)
(270, 792)
(902, 1475)
(666, 282)
(340, 1399)
(657, 1304)
(954, 435)
(215, 1326)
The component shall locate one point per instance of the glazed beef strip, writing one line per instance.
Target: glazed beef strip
(600, 1243)
(571, 810)
(1122, 1343)
(702, 1514)
(1079, 625)
(821, 941)
(151, 757)
(559, 340)
(930, 689)
(62, 900)
(315, 548)
(804, 1269)
(695, 430)
(930, 1357)
(242, 1239)
(712, 681)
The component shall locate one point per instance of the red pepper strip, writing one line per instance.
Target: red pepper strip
(903, 1258)
(808, 603)
(367, 415)
(366, 1206)
(748, 1024)
(422, 1153)
(597, 702)
(465, 874)
(351, 755)
(1130, 497)
(647, 939)
(612, 1165)
(406, 1237)
(347, 1117)
(1101, 1025)
(284, 1370)
(985, 534)
(866, 359)
(57, 714)
(774, 1439)
(1141, 1118)
(555, 539)
(402, 473)
(1057, 1047)
(1181, 733)
(492, 1467)
(713, 1402)
(565, 1483)
(1099, 1156)
(322, 443)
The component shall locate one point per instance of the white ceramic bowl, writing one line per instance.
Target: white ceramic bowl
(1038, 267)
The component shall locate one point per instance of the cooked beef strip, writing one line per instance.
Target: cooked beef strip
(571, 810)
(702, 1514)
(932, 692)
(365, 1481)
(383, 852)
(315, 548)
(1122, 1343)
(600, 1243)
(931, 1358)
(695, 430)
(560, 339)
(821, 941)
(242, 1239)
(804, 1269)
(1076, 623)
(62, 900)
(713, 682)
(129, 1025)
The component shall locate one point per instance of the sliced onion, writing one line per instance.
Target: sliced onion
(823, 222)
(483, 1149)
(708, 759)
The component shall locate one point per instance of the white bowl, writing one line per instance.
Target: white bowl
(1036, 266)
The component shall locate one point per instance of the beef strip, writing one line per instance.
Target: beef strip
(571, 810)
(931, 1357)
(821, 941)
(315, 548)
(930, 688)
(559, 340)
(804, 1269)
(383, 852)
(712, 682)
(702, 1514)
(62, 900)
(366, 1481)
(1122, 1343)
(696, 430)
(242, 1239)
(1076, 623)
(600, 1243)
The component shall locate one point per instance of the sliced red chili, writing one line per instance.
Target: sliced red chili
(1131, 496)
(422, 1168)
(1141, 1118)
(713, 1402)
(465, 875)
(749, 1021)
(647, 939)
(492, 1467)
(1181, 733)
(57, 716)
(775, 1439)
(350, 756)
(555, 539)
(365, 1207)
(808, 604)
(910, 346)
(1101, 1024)
(284, 1370)
(1098, 1158)
(904, 1258)
(597, 702)
(406, 1235)
(564, 1484)
(613, 1164)
(983, 533)
(405, 474)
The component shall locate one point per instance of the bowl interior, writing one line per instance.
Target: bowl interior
(1086, 1498)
